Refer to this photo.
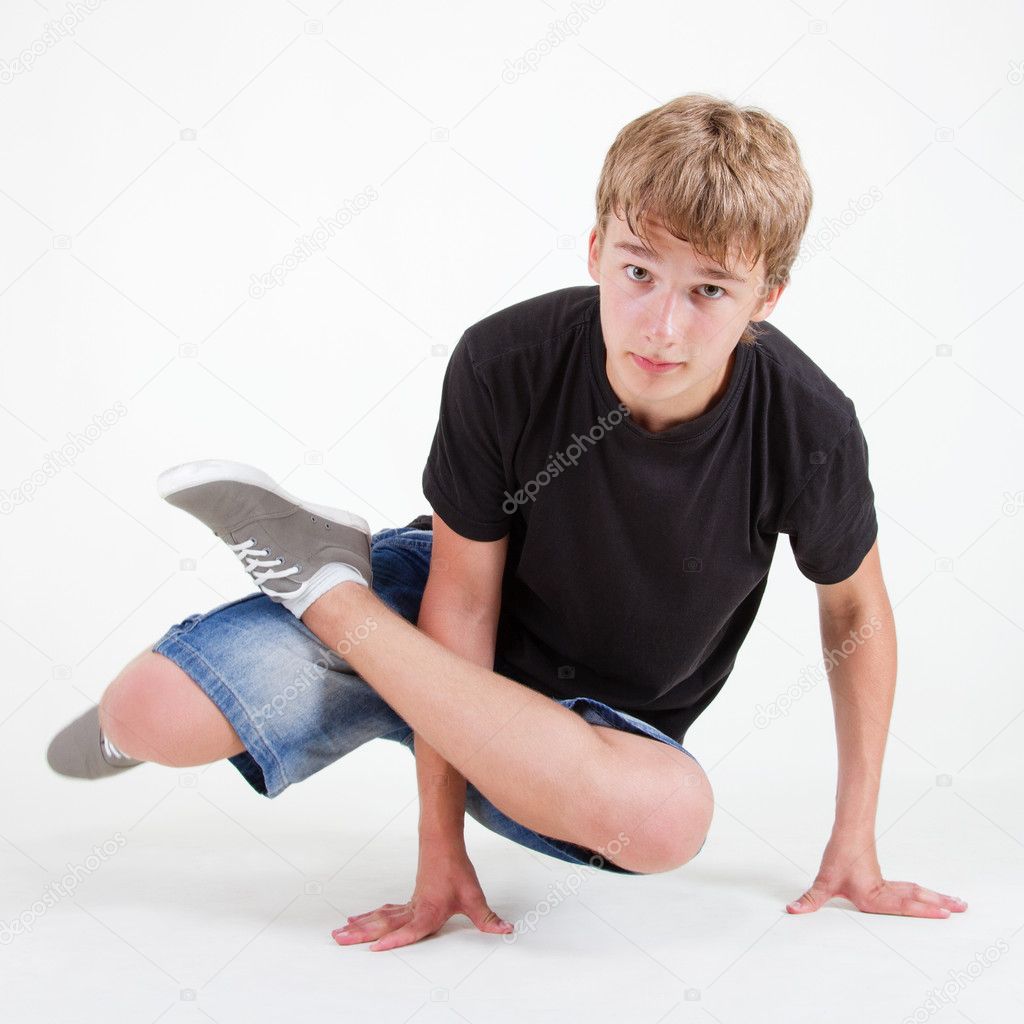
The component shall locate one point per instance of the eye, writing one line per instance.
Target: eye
(716, 286)
(633, 266)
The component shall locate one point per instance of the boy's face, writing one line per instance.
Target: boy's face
(671, 308)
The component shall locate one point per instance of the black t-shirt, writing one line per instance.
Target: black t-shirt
(637, 560)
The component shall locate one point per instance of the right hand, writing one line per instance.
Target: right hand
(446, 884)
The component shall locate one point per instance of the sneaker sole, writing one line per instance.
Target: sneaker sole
(205, 471)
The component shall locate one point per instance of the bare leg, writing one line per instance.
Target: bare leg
(154, 711)
(535, 760)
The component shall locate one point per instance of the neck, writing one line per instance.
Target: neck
(651, 417)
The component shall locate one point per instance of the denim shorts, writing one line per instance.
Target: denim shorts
(297, 705)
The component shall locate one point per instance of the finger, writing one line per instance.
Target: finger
(412, 932)
(813, 899)
(918, 908)
(385, 909)
(383, 906)
(895, 897)
(939, 899)
(900, 902)
(486, 919)
(368, 931)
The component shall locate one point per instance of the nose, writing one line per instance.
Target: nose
(667, 320)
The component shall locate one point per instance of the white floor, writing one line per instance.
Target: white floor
(207, 902)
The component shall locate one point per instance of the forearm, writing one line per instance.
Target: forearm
(442, 788)
(860, 656)
(442, 792)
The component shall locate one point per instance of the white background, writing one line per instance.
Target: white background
(162, 155)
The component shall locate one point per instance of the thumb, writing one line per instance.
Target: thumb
(486, 919)
(814, 899)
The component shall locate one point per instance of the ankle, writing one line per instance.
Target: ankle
(334, 606)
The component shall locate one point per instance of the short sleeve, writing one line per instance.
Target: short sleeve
(464, 477)
(832, 523)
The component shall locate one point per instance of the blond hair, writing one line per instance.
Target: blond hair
(729, 180)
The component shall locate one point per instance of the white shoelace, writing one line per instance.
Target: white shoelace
(247, 555)
(110, 752)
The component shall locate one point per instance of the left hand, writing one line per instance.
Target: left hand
(850, 869)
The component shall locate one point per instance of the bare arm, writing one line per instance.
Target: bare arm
(858, 636)
(459, 610)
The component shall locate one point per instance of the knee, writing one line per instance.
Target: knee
(670, 830)
(135, 716)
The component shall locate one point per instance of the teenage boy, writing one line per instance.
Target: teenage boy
(610, 473)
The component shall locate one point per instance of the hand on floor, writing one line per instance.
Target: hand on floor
(850, 869)
(446, 884)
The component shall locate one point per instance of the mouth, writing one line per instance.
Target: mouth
(649, 366)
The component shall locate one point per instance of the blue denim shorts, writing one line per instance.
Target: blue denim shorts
(297, 706)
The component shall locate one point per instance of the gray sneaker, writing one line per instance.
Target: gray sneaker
(292, 549)
(81, 751)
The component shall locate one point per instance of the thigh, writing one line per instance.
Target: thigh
(628, 730)
(295, 704)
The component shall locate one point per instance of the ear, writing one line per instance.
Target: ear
(763, 311)
(593, 255)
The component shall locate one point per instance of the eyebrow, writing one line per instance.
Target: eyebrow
(644, 253)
